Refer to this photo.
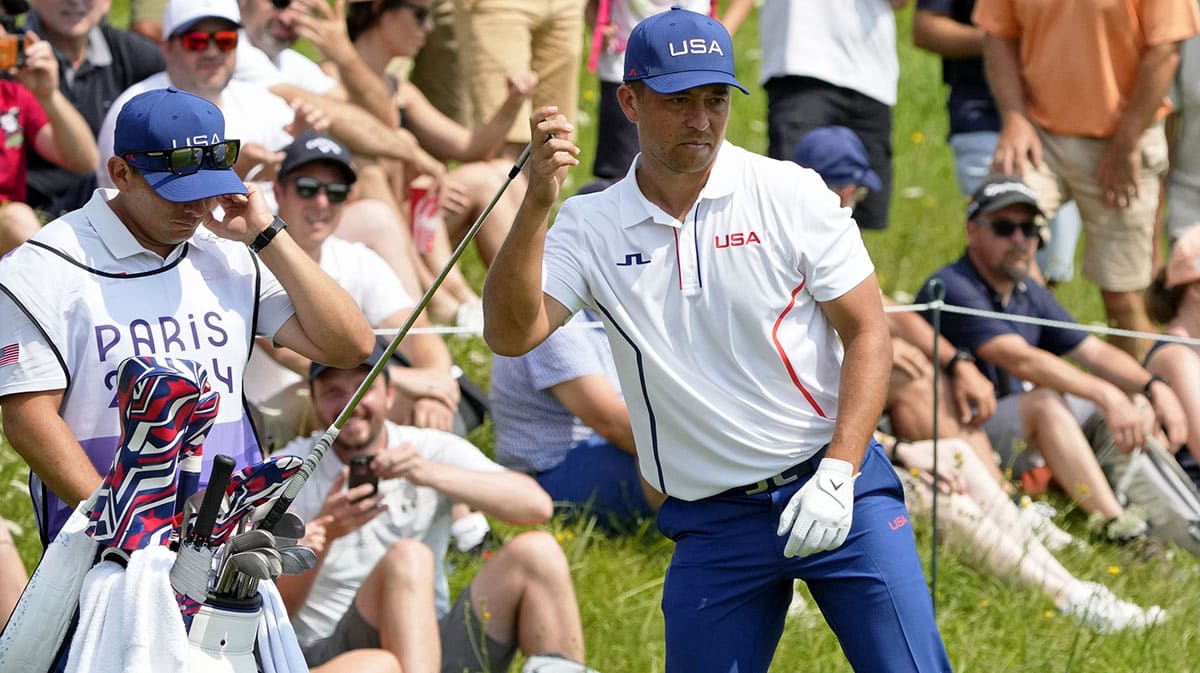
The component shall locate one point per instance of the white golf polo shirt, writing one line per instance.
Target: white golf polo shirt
(729, 367)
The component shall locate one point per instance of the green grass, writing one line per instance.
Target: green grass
(987, 625)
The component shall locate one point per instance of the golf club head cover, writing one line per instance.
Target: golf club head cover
(135, 507)
(191, 461)
(251, 487)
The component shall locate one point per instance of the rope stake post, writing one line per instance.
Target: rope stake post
(938, 289)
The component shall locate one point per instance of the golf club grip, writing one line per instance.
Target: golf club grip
(214, 493)
(293, 486)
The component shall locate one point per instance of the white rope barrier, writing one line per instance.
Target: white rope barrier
(903, 308)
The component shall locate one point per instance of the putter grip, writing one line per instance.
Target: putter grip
(214, 493)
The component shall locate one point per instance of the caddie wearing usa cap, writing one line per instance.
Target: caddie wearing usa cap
(745, 321)
(181, 260)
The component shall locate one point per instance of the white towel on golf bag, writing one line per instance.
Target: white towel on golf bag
(155, 638)
(278, 647)
(129, 620)
(41, 618)
(96, 645)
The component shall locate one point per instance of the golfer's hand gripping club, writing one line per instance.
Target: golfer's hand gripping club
(818, 516)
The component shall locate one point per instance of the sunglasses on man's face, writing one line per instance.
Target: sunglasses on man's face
(186, 160)
(280, 4)
(197, 40)
(420, 12)
(308, 188)
(1004, 228)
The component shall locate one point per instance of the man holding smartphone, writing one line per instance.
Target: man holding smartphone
(380, 579)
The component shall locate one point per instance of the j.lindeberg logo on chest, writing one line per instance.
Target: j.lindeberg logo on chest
(736, 239)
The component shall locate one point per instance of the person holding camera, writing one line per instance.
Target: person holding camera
(34, 115)
(380, 579)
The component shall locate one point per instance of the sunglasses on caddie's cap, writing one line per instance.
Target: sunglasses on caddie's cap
(678, 49)
(176, 140)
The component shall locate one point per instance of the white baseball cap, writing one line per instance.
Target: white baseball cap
(182, 14)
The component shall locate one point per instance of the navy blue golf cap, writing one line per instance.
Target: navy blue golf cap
(679, 49)
(168, 119)
(838, 155)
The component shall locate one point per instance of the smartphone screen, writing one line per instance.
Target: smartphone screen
(361, 473)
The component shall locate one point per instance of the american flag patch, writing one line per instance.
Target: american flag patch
(10, 354)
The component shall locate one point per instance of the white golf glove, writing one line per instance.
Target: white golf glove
(819, 514)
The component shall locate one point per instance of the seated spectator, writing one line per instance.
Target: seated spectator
(311, 188)
(559, 416)
(96, 62)
(1049, 419)
(13, 576)
(36, 120)
(1173, 300)
(983, 523)
(381, 578)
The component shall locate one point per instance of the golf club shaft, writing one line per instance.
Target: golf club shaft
(292, 489)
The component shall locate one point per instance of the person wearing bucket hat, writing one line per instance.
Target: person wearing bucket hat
(150, 269)
(733, 287)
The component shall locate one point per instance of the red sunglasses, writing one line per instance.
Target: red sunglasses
(197, 40)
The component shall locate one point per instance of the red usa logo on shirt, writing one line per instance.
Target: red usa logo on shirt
(736, 239)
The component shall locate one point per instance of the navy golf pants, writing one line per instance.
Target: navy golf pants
(728, 587)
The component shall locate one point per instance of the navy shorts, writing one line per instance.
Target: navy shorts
(598, 477)
(728, 587)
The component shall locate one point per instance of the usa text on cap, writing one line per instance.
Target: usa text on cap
(679, 49)
(154, 125)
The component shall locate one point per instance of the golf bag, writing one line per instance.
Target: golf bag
(111, 593)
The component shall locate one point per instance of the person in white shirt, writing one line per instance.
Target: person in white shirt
(745, 320)
(380, 579)
(315, 180)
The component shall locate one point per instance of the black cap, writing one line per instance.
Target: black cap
(381, 345)
(311, 146)
(1001, 191)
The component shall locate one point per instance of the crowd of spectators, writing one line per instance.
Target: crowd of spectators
(380, 153)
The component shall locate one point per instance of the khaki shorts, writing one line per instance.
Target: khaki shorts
(143, 10)
(500, 37)
(1118, 244)
(466, 647)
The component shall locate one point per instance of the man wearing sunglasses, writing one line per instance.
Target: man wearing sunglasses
(1043, 402)
(314, 181)
(200, 50)
(148, 269)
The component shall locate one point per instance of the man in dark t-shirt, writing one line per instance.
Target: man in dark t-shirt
(96, 63)
(1042, 400)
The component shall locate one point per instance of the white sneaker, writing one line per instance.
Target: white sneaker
(551, 663)
(1095, 606)
(1039, 516)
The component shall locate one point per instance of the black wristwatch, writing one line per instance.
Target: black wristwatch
(267, 235)
(959, 356)
(1150, 384)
